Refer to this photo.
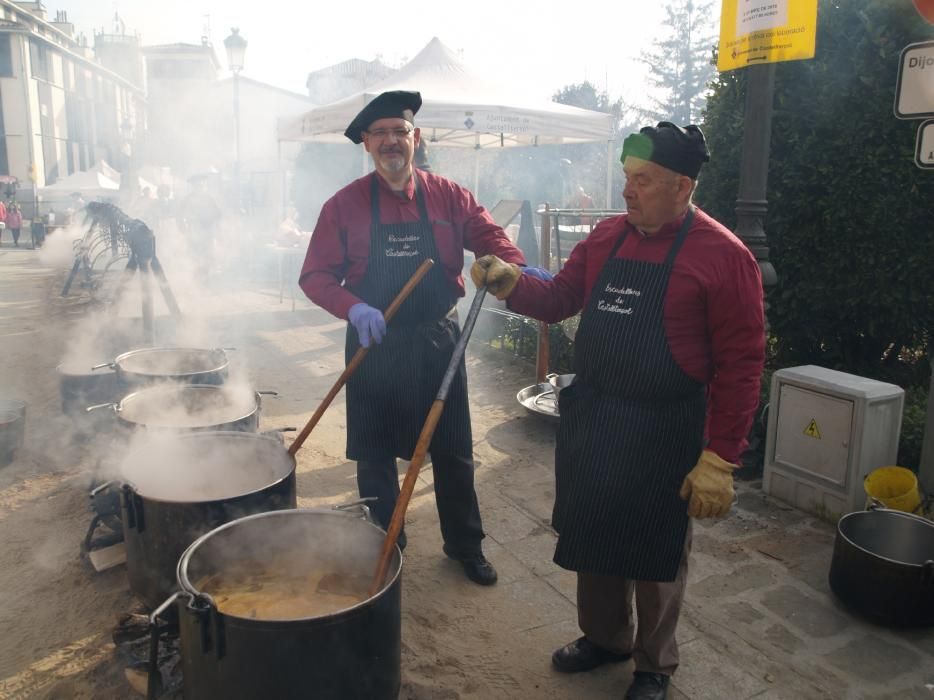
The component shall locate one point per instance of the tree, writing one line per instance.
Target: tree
(680, 62)
(850, 217)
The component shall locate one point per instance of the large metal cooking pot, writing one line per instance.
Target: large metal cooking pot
(189, 407)
(883, 566)
(351, 653)
(149, 365)
(12, 428)
(178, 486)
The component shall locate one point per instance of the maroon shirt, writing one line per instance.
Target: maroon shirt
(340, 245)
(713, 311)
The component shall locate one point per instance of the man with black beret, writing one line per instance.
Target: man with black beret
(370, 238)
(668, 357)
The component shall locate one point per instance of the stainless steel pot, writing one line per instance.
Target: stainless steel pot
(12, 428)
(79, 387)
(353, 653)
(559, 381)
(188, 407)
(883, 566)
(149, 365)
(176, 487)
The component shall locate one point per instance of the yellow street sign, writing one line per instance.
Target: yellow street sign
(812, 430)
(766, 31)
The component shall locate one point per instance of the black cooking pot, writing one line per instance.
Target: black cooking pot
(12, 428)
(188, 407)
(178, 486)
(354, 653)
(150, 365)
(883, 566)
(80, 386)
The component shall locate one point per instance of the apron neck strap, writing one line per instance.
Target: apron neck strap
(682, 234)
(374, 199)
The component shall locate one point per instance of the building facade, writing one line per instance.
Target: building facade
(61, 110)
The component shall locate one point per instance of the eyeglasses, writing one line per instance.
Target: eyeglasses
(381, 134)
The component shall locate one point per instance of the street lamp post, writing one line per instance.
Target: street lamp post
(236, 48)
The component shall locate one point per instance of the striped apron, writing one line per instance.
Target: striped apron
(390, 394)
(632, 427)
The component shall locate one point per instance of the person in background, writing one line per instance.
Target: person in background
(14, 221)
(198, 217)
(421, 156)
(369, 240)
(668, 358)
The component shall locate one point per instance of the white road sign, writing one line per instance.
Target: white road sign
(914, 91)
(924, 151)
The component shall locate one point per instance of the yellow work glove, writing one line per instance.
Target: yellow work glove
(498, 276)
(709, 487)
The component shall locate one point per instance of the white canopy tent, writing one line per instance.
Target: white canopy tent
(460, 109)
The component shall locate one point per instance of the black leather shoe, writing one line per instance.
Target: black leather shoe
(584, 655)
(476, 567)
(648, 686)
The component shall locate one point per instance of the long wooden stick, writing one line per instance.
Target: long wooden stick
(421, 447)
(359, 355)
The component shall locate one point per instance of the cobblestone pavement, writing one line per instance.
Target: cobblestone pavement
(759, 621)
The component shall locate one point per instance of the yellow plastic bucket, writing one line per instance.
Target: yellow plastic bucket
(895, 487)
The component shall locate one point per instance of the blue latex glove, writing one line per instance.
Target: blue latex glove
(369, 323)
(539, 273)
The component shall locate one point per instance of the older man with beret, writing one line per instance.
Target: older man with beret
(370, 238)
(668, 357)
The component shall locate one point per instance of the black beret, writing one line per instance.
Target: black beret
(681, 149)
(400, 104)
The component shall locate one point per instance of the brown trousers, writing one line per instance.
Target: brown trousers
(604, 612)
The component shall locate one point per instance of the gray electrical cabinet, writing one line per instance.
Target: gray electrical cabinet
(827, 430)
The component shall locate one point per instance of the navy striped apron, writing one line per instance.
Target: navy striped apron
(390, 394)
(632, 427)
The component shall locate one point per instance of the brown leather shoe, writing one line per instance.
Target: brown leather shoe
(648, 686)
(584, 655)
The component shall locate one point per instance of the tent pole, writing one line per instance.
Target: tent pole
(476, 168)
(610, 152)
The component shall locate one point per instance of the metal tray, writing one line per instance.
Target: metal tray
(540, 400)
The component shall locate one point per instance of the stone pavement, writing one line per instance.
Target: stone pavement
(759, 621)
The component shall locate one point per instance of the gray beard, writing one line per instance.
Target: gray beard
(393, 162)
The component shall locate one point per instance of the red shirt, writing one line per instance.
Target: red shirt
(340, 244)
(713, 314)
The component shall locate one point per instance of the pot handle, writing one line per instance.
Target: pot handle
(211, 623)
(134, 509)
(154, 680)
(361, 508)
(96, 406)
(267, 392)
(111, 365)
(927, 573)
(876, 504)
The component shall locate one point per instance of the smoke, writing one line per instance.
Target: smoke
(59, 250)
(197, 467)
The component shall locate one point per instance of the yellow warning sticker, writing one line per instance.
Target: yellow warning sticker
(812, 430)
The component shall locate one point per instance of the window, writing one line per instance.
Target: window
(39, 58)
(6, 57)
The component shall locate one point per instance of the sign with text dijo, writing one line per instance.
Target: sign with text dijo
(924, 151)
(766, 31)
(914, 90)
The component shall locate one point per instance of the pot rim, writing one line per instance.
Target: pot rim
(237, 435)
(213, 427)
(143, 351)
(187, 588)
(884, 512)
